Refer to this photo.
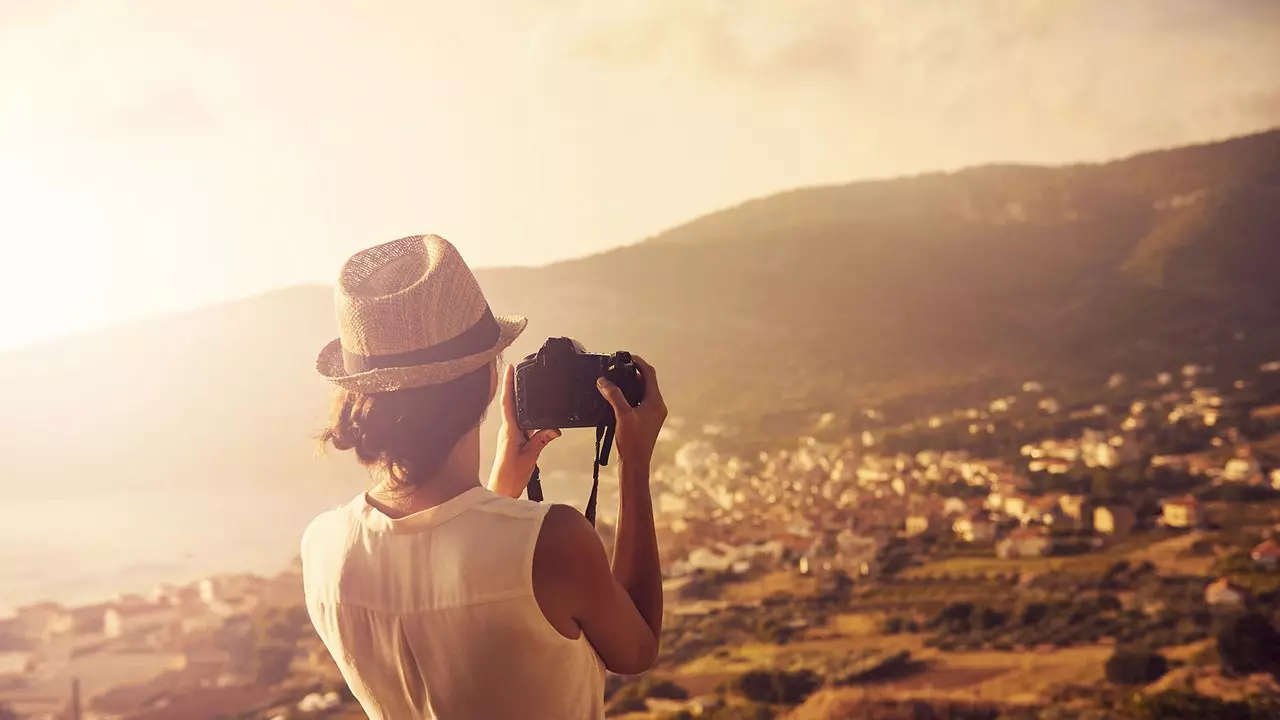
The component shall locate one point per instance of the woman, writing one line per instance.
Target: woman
(437, 596)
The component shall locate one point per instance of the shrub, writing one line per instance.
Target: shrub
(634, 694)
(954, 617)
(779, 687)
(983, 618)
(666, 690)
(892, 625)
(1249, 643)
(750, 711)
(1200, 547)
(1135, 667)
(1032, 613)
(1189, 704)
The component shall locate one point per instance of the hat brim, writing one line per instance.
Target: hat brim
(330, 364)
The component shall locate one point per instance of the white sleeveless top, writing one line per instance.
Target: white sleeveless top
(433, 615)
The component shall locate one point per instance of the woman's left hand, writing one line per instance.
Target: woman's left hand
(516, 455)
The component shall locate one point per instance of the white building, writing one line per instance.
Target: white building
(917, 525)
(1239, 469)
(1223, 594)
(974, 529)
(130, 620)
(1024, 542)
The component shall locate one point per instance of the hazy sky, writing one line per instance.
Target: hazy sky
(160, 154)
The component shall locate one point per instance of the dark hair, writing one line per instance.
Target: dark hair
(409, 433)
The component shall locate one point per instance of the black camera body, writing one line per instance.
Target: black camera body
(556, 386)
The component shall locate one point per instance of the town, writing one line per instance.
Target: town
(843, 557)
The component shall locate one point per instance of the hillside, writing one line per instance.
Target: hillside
(839, 296)
(916, 289)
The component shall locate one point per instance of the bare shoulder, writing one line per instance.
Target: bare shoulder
(568, 561)
(566, 535)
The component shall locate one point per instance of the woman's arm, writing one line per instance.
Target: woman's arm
(635, 549)
(619, 609)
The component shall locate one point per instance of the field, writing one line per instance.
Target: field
(987, 565)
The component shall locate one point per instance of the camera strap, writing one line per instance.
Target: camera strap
(604, 443)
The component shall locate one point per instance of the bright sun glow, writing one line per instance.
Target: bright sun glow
(57, 262)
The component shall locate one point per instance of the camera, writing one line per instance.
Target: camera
(556, 386)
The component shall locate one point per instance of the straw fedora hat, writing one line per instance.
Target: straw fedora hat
(410, 313)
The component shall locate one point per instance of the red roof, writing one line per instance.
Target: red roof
(1267, 548)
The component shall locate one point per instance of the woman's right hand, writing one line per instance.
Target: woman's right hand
(637, 427)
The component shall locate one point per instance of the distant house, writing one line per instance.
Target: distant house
(15, 662)
(1267, 554)
(1242, 469)
(974, 528)
(1053, 466)
(1173, 462)
(42, 619)
(1115, 519)
(1024, 542)
(1072, 506)
(87, 619)
(1181, 512)
(1042, 510)
(1016, 505)
(1222, 593)
(135, 619)
(917, 525)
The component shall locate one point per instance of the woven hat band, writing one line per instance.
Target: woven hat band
(476, 339)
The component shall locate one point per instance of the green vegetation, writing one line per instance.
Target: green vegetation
(1132, 666)
(1249, 643)
(631, 697)
(1180, 704)
(780, 687)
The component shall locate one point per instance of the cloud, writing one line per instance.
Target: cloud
(748, 39)
(1021, 72)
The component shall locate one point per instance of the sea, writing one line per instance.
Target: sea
(89, 550)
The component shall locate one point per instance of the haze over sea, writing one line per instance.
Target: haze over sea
(103, 547)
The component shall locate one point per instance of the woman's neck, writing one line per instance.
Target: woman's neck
(459, 473)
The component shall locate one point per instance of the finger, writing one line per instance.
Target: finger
(539, 440)
(509, 395)
(650, 376)
(615, 398)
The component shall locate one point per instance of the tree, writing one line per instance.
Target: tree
(1135, 667)
(1100, 485)
(1032, 613)
(780, 687)
(1249, 643)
